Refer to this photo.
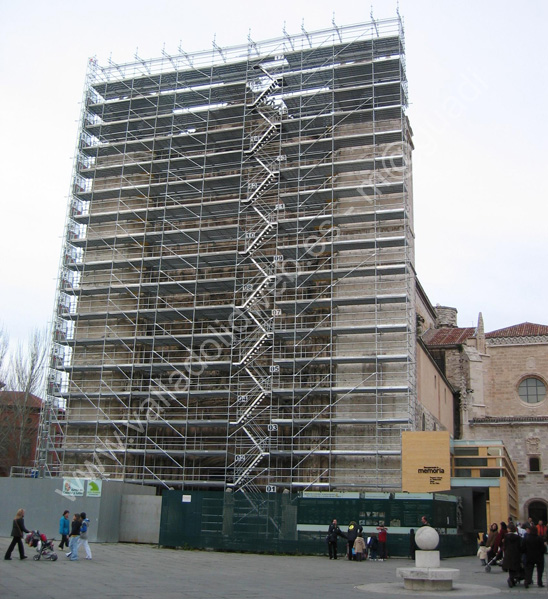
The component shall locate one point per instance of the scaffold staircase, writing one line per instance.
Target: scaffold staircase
(253, 315)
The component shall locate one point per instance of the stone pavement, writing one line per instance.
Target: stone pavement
(145, 571)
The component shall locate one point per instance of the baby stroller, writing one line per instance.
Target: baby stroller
(44, 547)
(496, 560)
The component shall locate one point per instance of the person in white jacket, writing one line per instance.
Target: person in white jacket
(84, 534)
(482, 553)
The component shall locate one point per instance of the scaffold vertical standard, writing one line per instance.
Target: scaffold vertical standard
(236, 304)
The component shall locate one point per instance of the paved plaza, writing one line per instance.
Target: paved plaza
(145, 571)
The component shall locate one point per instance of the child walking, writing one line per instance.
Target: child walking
(359, 547)
(482, 553)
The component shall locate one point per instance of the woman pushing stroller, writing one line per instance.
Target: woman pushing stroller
(17, 531)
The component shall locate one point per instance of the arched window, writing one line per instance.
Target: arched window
(534, 464)
(532, 390)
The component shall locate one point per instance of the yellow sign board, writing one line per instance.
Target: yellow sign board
(426, 461)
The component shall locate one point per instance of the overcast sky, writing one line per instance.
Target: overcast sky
(478, 91)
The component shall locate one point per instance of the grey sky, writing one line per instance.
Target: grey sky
(477, 83)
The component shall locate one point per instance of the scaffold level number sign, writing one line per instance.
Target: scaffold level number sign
(270, 489)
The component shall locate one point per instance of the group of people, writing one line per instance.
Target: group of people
(518, 548)
(357, 548)
(73, 534)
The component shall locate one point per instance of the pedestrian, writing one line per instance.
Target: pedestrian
(351, 536)
(533, 546)
(17, 530)
(84, 534)
(493, 533)
(64, 529)
(372, 547)
(482, 553)
(412, 543)
(541, 529)
(332, 534)
(74, 543)
(383, 535)
(512, 549)
(424, 521)
(496, 547)
(359, 547)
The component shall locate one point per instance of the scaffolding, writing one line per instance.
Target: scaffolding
(236, 305)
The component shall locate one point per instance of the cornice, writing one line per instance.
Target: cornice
(530, 340)
(508, 420)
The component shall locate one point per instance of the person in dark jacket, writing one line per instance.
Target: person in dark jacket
(533, 546)
(372, 546)
(511, 561)
(17, 531)
(351, 535)
(491, 537)
(74, 543)
(412, 543)
(64, 529)
(332, 534)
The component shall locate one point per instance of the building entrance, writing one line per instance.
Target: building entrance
(537, 511)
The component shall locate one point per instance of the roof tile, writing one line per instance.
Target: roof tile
(525, 329)
(448, 336)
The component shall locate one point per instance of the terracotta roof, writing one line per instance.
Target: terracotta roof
(10, 398)
(447, 336)
(525, 329)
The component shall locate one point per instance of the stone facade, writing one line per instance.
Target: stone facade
(487, 370)
(522, 426)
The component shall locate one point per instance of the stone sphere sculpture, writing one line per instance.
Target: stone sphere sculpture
(427, 538)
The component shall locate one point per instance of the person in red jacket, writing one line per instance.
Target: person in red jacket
(383, 534)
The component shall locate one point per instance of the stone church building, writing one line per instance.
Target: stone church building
(500, 380)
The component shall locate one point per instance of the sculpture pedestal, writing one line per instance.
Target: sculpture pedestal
(427, 574)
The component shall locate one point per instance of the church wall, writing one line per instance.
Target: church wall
(434, 393)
